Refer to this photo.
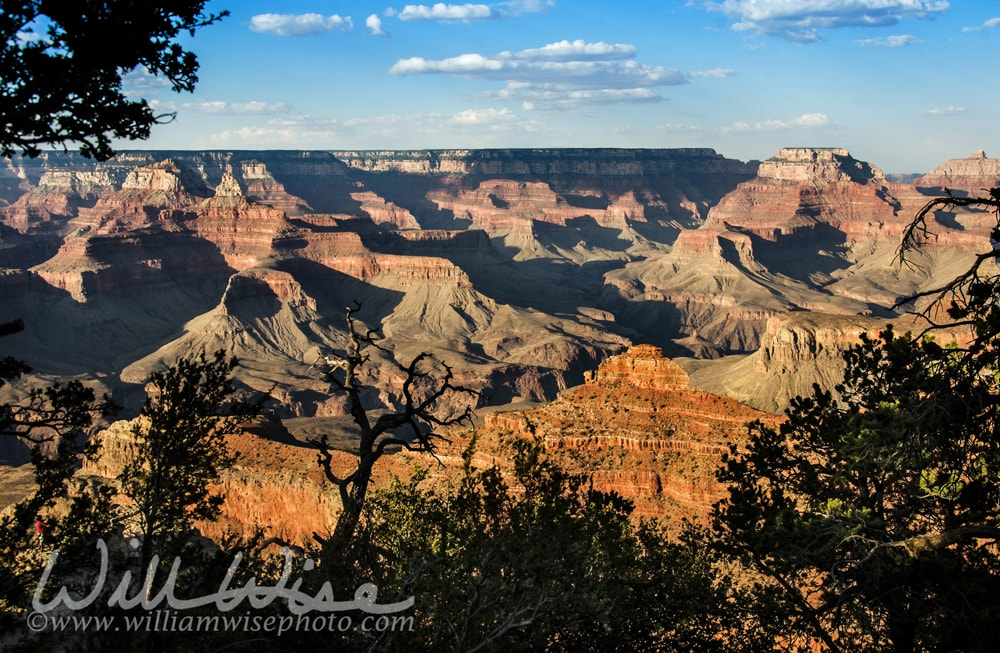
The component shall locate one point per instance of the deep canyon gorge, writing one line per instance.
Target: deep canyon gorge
(689, 292)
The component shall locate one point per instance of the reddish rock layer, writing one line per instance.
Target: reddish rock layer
(643, 367)
(975, 174)
(638, 429)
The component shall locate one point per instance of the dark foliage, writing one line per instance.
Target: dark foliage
(62, 66)
(178, 446)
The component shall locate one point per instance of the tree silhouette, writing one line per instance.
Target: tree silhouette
(876, 519)
(178, 447)
(55, 421)
(62, 66)
(412, 426)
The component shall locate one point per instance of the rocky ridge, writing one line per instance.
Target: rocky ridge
(526, 271)
(523, 268)
(636, 427)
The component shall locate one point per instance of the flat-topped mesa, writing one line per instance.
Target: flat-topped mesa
(74, 182)
(977, 173)
(830, 164)
(643, 366)
(164, 176)
(818, 194)
(162, 184)
(545, 162)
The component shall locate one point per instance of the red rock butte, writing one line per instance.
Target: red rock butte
(643, 366)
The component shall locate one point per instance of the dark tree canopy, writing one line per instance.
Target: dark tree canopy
(876, 517)
(62, 66)
(178, 446)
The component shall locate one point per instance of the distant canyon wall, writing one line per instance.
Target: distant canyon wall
(521, 268)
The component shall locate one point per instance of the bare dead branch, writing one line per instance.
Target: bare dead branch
(423, 387)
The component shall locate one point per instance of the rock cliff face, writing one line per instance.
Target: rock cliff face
(797, 350)
(642, 366)
(976, 173)
(161, 245)
(523, 267)
(816, 230)
(274, 485)
(637, 427)
(807, 192)
(527, 272)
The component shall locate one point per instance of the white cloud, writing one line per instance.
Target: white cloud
(483, 117)
(535, 97)
(896, 41)
(236, 108)
(567, 74)
(559, 74)
(717, 73)
(675, 128)
(300, 24)
(141, 80)
(803, 20)
(805, 120)
(946, 111)
(452, 13)
(992, 23)
(462, 64)
(446, 12)
(490, 126)
(576, 50)
(374, 25)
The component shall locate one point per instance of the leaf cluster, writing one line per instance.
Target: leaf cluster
(868, 515)
(62, 65)
(532, 559)
(178, 445)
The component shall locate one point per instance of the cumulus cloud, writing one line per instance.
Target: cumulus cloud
(374, 132)
(559, 74)
(803, 22)
(236, 108)
(462, 64)
(805, 120)
(896, 41)
(446, 12)
(374, 25)
(717, 73)
(300, 24)
(946, 111)
(141, 80)
(576, 51)
(992, 23)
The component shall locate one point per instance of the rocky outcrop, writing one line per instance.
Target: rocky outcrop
(817, 164)
(637, 427)
(819, 193)
(797, 350)
(976, 173)
(275, 485)
(527, 266)
(644, 367)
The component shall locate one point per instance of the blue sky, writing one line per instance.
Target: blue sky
(903, 84)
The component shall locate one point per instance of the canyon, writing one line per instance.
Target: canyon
(529, 272)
